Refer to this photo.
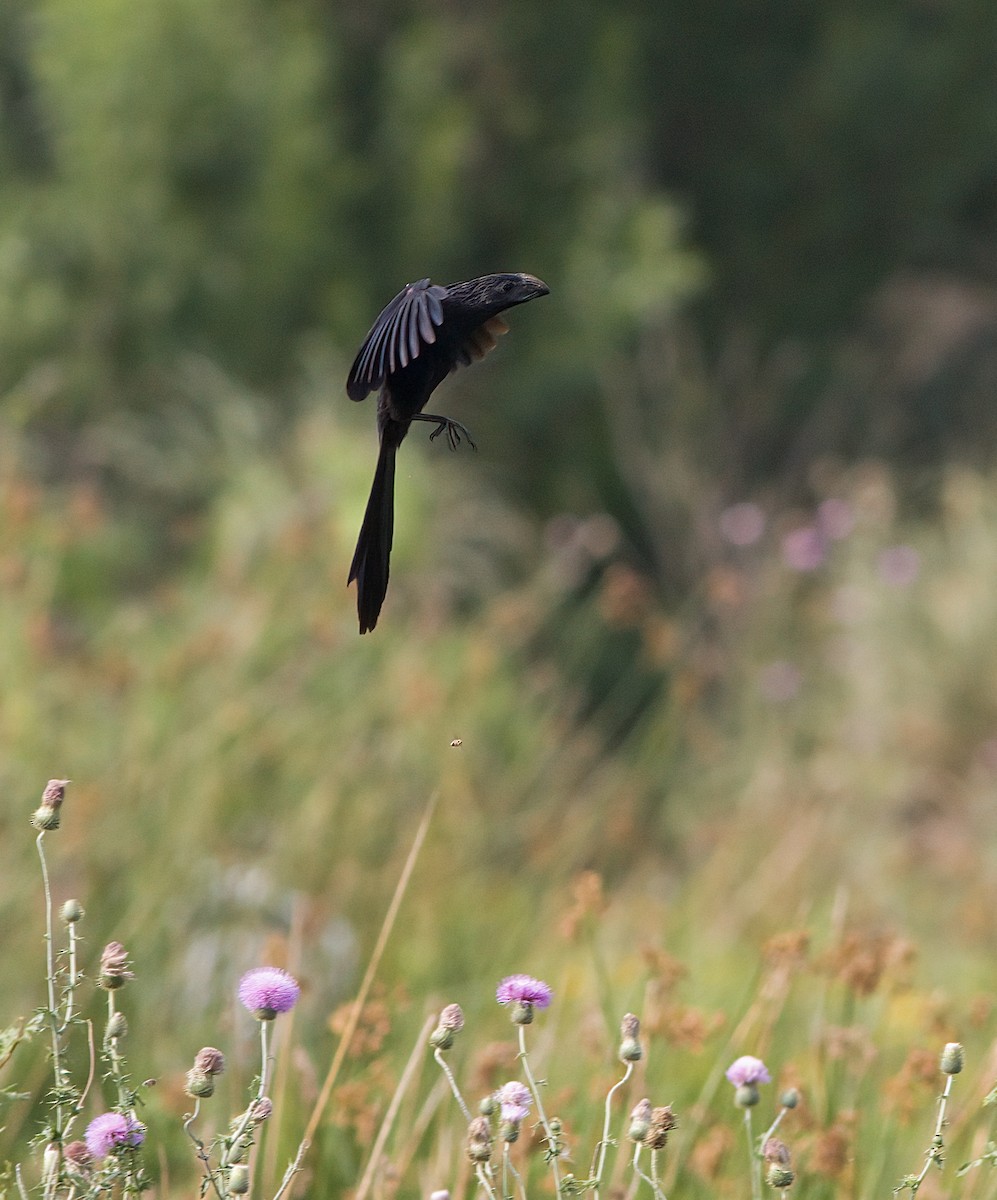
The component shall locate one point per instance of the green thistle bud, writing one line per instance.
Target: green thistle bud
(451, 1023)
(640, 1121)
(71, 912)
(200, 1085)
(45, 818)
(746, 1095)
(441, 1039)
(790, 1098)
(488, 1106)
(953, 1058)
(238, 1180)
(630, 1047)
(779, 1176)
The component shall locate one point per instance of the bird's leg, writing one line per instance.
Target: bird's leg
(456, 433)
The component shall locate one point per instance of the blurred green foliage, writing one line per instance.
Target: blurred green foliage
(231, 180)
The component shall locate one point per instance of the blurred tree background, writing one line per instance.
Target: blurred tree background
(716, 586)
(230, 181)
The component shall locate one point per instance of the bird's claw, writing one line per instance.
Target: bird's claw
(456, 433)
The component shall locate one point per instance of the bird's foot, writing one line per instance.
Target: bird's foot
(456, 433)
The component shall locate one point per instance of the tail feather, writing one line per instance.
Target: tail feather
(373, 552)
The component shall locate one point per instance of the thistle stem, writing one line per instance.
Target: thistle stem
(445, 1068)
(553, 1148)
(52, 1014)
(604, 1143)
(754, 1162)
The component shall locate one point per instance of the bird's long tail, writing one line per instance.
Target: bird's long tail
(373, 552)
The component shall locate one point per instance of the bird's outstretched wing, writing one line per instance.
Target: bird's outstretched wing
(406, 326)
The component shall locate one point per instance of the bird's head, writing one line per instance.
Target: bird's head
(495, 293)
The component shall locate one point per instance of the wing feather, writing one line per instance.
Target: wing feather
(399, 335)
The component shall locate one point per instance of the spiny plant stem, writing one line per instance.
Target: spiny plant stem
(651, 1183)
(934, 1152)
(552, 1143)
(607, 1117)
(483, 1179)
(753, 1160)
(52, 1014)
(445, 1068)
(261, 1091)
(654, 1175)
(73, 978)
(292, 1169)
(202, 1154)
(117, 1064)
(770, 1132)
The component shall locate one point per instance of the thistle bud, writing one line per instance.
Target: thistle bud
(663, 1120)
(77, 1154)
(71, 912)
(46, 816)
(640, 1121)
(114, 972)
(479, 1140)
(209, 1060)
(450, 1024)
(263, 1110)
(779, 1177)
(509, 1131)
(199, 1084)
(238, 1180)
(630, 1047)
(45, 819)
(790, 1098)
(746, 1095)
(775, 1151)
(953, 1058)
(522, 1013)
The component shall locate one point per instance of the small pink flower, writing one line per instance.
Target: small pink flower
(835, 518)
(742, 524)
(524, 989)
(267, 991)
(748, 1070)
(803, 549)
(514, 1098)
(113, 1131)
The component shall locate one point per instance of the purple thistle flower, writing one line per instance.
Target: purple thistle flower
(514, 1097)
(524, 989)
(804, 549)
(742, 524)
(267, 991)
(113, 1131)
(748, 1070)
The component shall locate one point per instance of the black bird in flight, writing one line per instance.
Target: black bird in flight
(426, 332)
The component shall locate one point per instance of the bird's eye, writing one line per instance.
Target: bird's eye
(508, 286)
